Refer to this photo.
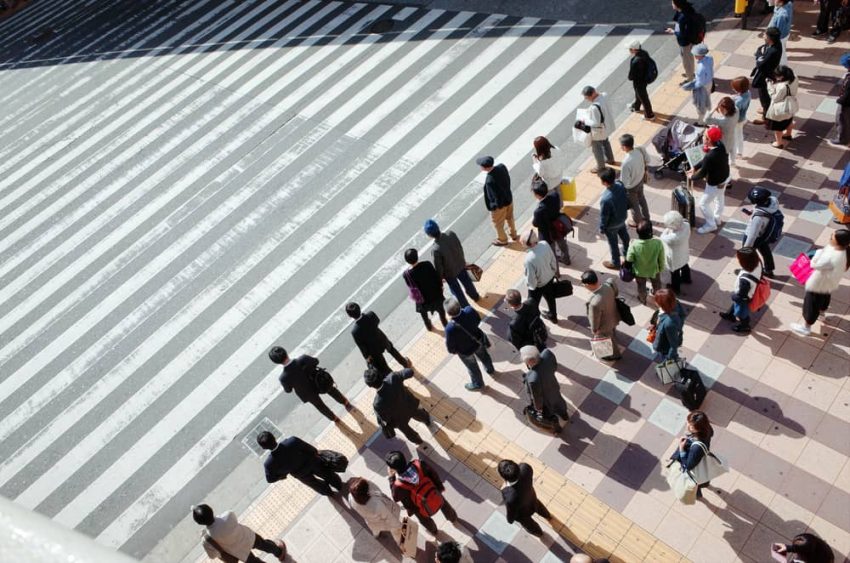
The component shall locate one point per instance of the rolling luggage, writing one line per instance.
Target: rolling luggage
(691, 388)
(683, 202)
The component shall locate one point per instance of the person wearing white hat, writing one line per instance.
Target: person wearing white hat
(639, 73)
(700, 86)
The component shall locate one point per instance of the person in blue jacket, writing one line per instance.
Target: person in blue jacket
(670, 325)
(466, 339)
(688, 28)
(690, 453)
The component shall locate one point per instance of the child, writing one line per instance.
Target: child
(745, 288)
(741, 86)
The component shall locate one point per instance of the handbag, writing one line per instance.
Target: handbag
(475, 271)
(562, 288)
(322, 380)
(568, 189)
(669, 371)
(681, 483)
(409, 535)
(334, 461)
(627, 275)
(709, 467)
(562, 226)
(414, 292)
(801, 268)
(784, 108)
(602, 346)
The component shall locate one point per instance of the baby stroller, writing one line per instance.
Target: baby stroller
(671, 143)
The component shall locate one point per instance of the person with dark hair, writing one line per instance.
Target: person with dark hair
(498, 198)
(377, 509)
(547, 160)
(224, 538)
(526, 328)
(419, 489)
(782, 18)
(424, 278)
(613, 211)
(829, 264)
(638, 73)
(450, 263)
(395, 405)
(741, 87)
(804, 548)
(745, 288)
(544, 393)
(521, 502)
(632, 174)
(760, 224)
(700, 87)
(602, 312)
(371, 340)
(302, 375)
(782, 87)
(695, 444)
(842, 110)
(541, 273)
(600, 124)
(768, 57)
(545, 214)
(688, 28)
(296, 457)
(669, 329)
(725, 116)
(828, 22)
(452, 552)
(465, 338)
(646, 257)
(714, 169)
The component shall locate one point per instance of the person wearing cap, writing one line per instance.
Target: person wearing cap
(756, 232)
(541, 271)
(226, 539)
(768, 56)
(544, 392)
(600, 124)
(842, 110)
(638, 70)
(714, 169)
(782, 18)
(450, 263)
(700, 86)
(498, 198)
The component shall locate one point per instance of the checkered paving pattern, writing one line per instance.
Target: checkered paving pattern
(779, 403)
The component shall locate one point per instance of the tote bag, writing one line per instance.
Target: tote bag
(602, 347)
(669, 371)
(709, 467)
(409, 535)
(681, 483)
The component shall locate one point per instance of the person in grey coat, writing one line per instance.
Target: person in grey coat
(602, 310)
(544, 393)
(394, 404)
(450, 262)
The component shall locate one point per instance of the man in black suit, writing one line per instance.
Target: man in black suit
(371, 340)
(498, 198)
(394, 405)
(520, 499)
(296, 457)
(526, 328)
(300, 375)
(547, 211)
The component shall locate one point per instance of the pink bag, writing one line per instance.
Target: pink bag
(801, 268)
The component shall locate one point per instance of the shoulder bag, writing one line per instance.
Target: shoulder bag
(681, 482)
(602, 346)
(669, 371)
(414, 292)
(709, 467)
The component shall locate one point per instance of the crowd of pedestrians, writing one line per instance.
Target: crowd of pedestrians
(658, 262)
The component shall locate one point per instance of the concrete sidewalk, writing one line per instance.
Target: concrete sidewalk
(779, 403)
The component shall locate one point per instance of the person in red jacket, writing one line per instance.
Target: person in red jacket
(419, 489)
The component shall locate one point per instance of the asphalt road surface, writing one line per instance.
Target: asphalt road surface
(185, 184)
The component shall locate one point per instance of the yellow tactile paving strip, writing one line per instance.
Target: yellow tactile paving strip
(579, 517)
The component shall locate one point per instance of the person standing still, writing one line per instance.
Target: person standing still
(450, 263)
(714, 168)
(741, 87)
(498, 198)
(690, 451)
(299, 375)
(548, 211)
(526, 328)
(521, 502)
(613, 207)
(544, 392)
(638, 72)
(675, 236)
(547, 160)
(371, 340)
(782, 18)
(686, 27)
(541, 271)
(768, 56)
(646, 257)
(842, 109)
(600, 124)
(632, 175)
(828, 20)
(701, 86)
(466, 339)
(602, 310)
(225, 539)
(760, 224)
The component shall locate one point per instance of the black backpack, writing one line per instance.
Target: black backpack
(334, 461)
(691, 388)
(625, 312)
(699, 32)
(651, 70)
(538, 332)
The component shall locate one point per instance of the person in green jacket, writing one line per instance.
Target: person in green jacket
(646, 258)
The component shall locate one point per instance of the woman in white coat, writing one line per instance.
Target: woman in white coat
(381, 513)
(548, 163)
(675, 236)
(829, 265)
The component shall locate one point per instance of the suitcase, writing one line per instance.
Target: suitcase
(683, 202)
(537, 419)
(691, 388)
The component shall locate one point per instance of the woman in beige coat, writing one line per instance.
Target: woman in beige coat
(381, 513)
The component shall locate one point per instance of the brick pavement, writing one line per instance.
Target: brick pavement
(780, 404)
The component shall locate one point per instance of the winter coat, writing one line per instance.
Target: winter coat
(447, 254)
(381, 513)
(638, 67)
(544, 393)
(676, 249)
(519, 329)
(463, 335)
(548, 209)
(686, 27)
(714, 167)
(669, 332)
(613, 207)
(425, 277)
(602, 309)
(829, 266)
(369, 338)
(745, 285)
(497, 188)
(394, 404)
(767, 59)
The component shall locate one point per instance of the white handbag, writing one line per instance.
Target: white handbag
(709, 467)
(668, 371)
(602, 347)
(681, 483)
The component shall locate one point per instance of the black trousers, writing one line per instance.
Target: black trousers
(766, 256)
(428, 522)
(826, 17)
(321, 478)
(642, 99)
(680, 276)
(422, 416)
(530, 525)
(323, 408)
(764, 98)
(546, 292)
(259, 543)
(427, 320)
(380, 363)
(813, 304)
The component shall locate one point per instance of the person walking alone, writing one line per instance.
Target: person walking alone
(639, 66)
(309, 382)
(829, 265)
(225, 539)
(521, 502)
(701, 86)
(686, 27)
(419, 489)
(714, 169)
(450, 263)
(693, 446)
(423, 277)
(602, 310)
(296, 457)
(828, 22)
(498, 198)
(544, 392)
(541, 271)
(371, 340)
(466, 339)
(395, 405)
(600, 124)
(632, 175)
(613, 211)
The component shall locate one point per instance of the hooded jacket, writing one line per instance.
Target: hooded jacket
(759, 221)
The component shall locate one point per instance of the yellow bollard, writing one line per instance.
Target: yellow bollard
(740, 6)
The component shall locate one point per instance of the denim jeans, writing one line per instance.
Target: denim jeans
(741, 310)
(472, 365)
(611, 234)
(456, 289)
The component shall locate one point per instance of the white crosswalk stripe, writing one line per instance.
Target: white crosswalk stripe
(212, 180)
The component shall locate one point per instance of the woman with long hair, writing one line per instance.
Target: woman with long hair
(690, 451)
(782, 88)
(829, 265)
(381, 513)
(548, 163)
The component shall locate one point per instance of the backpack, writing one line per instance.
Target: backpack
(774, 227)
(538, 332)
(691, 388)
(761, 294)
(562, 226)
(334, 461)
(699, 33)
(651, 70)
(425, 496)
(625, 311)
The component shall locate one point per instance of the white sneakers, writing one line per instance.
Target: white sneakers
(704, 230)
(801, 329)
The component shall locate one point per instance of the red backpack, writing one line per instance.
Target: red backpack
(424, 494)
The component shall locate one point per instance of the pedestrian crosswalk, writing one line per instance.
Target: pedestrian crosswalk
(184, 183)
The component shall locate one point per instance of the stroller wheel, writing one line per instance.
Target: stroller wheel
(658, 173)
